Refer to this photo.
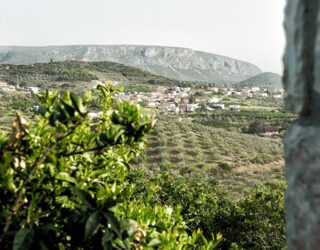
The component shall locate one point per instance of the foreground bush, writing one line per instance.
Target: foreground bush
(63, 181)
(255, 221)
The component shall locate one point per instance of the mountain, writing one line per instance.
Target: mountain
(172, 62)
(266, 79)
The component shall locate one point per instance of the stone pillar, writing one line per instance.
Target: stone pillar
(302, 143)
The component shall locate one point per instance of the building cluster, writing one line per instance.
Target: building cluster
(5, 87)
(180, 100)
(8, 88)
(251, 92)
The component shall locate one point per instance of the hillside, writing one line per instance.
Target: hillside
(266, 79)
(55, 73)
(177, 63)
(236, 160)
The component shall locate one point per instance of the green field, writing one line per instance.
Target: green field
(236, 160)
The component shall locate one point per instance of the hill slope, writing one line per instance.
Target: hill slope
(265, 79)
(177, 63)
(42, 74)
(236, 160)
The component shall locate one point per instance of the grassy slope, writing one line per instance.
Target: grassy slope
(13, 103)
(265, 79)
(237, 160)
(51, 74)
(238, 121)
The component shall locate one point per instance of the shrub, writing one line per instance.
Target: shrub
(63, 181)
(255, 221)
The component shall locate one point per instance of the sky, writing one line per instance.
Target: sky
(248, 30)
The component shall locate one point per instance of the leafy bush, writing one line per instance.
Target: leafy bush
(255, 221)
(63, 181)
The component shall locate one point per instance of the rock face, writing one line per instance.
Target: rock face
(302, 143)
(177, 63)
(265, 79)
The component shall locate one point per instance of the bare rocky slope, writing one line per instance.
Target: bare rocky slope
(176, 63)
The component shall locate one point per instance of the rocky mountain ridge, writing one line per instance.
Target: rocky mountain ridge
(172, 62)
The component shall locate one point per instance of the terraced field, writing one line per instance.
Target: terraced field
(236, 160)
(10, 104)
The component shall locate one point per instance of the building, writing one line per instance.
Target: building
(192, 107)
(5, 87)
(235, 107)
(34, 90)
(214, 100)
(277, 96)
(254, 89)
(215, 90)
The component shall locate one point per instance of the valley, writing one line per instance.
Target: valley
(232, 134)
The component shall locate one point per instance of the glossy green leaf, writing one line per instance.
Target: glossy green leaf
(92, 225)
(64, 176)
(85, 197)
(154, 242)
(23, 239)
(113, 221)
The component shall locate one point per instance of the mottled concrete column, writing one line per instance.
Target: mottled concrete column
(302, 143)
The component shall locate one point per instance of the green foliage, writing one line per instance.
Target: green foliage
(247, 121)
(63, 181)
(202, 152)
(70, 74)
(255, 221)
(41, 74)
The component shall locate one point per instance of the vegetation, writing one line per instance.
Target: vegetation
(247, 121)
(255, 221)
(11, 104)
(69, 182)
(56, 74)
(191, 145)
(63, 181)
(237, 161)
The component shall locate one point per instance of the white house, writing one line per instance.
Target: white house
(216, 90)
(277, 96)
(214, 100)
(235, 107)
(192, 107)
(255, 89)
(34, 90)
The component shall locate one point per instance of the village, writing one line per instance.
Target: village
(179, 100)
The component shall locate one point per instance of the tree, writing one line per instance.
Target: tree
(63, 180)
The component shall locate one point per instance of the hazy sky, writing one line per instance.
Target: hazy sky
(249, 30)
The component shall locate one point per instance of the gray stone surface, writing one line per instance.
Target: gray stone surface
(302, 143)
